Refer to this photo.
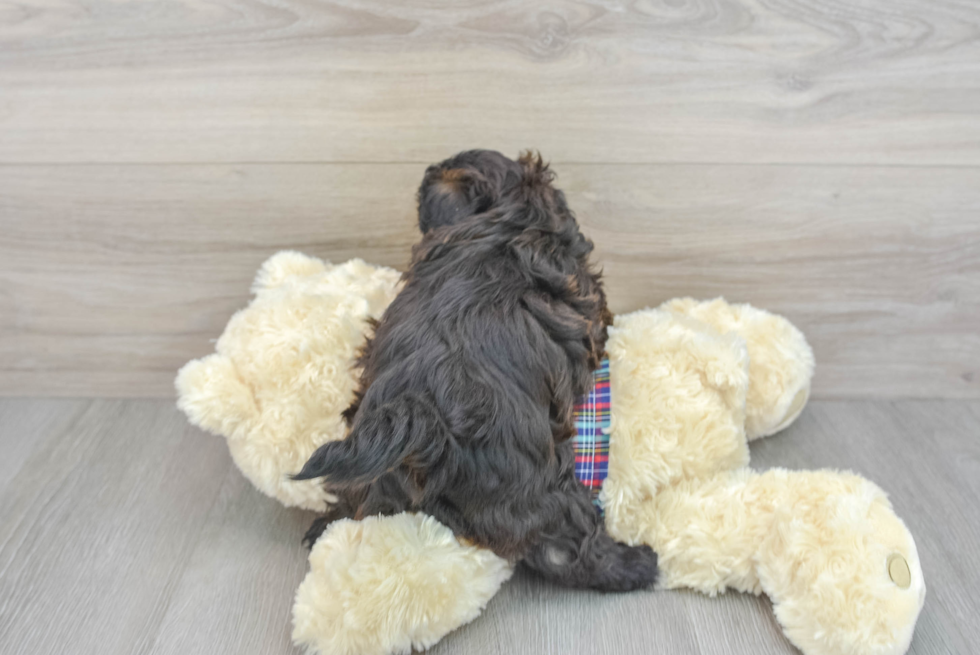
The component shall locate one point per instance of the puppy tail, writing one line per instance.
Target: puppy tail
(407, 430)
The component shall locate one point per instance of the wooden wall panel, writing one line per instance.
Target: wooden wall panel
(821, 159)
(114, 275)
(734, 81)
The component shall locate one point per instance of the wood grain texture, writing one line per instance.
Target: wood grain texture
(818, 159)
(236, 592)
(29, 424)
(880, 81)
(113, 276)
(125, 531)
(98, 525)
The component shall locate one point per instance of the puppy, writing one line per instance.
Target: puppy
(464, 409)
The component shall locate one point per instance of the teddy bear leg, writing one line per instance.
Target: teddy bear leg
(390, 584)
(707, 532)
(781, 361)
(839, 565)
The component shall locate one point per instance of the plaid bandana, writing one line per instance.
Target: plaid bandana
(592, 419)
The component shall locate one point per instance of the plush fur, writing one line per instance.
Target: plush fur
(280, 377)
(398, 563)
(782, 362)
(678, 410)
(818, 543)
(464, 406)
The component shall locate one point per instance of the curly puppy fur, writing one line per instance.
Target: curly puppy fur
(464, 410)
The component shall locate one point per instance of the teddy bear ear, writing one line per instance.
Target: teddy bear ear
(214, 398)
(284, 265)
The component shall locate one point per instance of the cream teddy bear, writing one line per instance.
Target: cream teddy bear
(839, 566)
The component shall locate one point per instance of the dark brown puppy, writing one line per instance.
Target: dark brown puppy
(464, 410)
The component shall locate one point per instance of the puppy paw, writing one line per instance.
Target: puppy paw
(635, 568)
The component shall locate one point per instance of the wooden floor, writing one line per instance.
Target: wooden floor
(127, 531)
(820, 159)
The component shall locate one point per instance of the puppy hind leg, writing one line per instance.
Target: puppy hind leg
(578, 552)
(343, 509)
(390, 494)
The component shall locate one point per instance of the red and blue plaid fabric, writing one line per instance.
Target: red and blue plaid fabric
(592, 419)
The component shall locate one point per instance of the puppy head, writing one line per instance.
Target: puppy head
(467, 184)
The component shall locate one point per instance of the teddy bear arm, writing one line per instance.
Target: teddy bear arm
(214, 397)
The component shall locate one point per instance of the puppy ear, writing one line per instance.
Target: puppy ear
(546, 204)
(537, 175)
(450, 195)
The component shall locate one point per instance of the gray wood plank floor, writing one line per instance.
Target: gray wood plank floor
(124, 530)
